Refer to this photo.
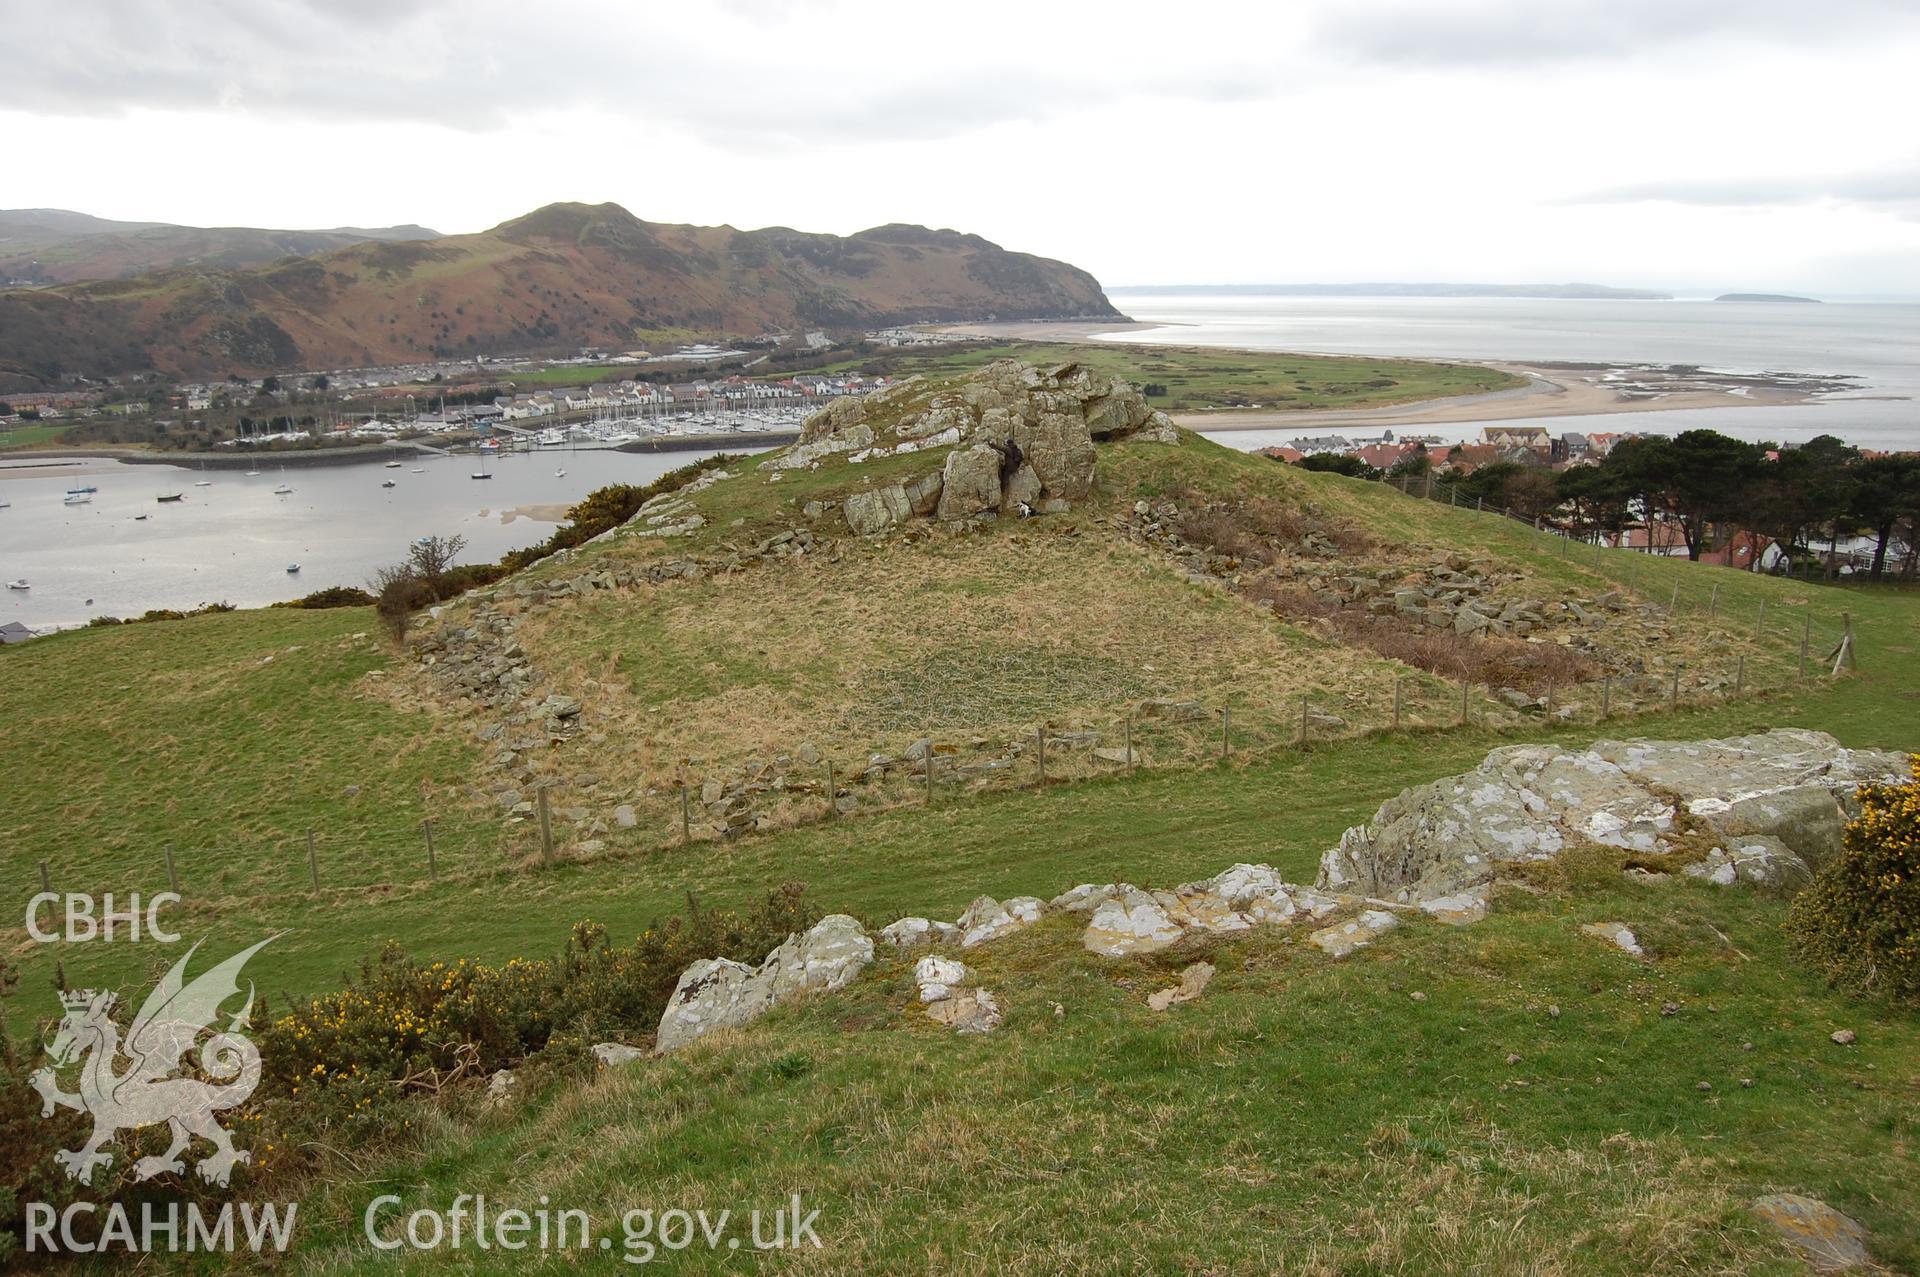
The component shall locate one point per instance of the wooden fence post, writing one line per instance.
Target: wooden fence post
(1673, 697)
(1549, 696)
(1846, 643)
(1040, 757)
(929, 771)
(1760, 622)
(1740, 675)
(1226, 730)
(1673, 608)
(1128, 738)
(1713, 602)
(1606, 696)
(433, 865)
(1806, 637)
(1398, 679)
(686, 811)
(313, 862)
(546, 828)
(173, 875)
(833, 793)
(46, 883)
(1466, 686)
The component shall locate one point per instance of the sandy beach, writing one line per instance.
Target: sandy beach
(1551, 391)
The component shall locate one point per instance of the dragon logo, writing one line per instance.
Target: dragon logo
(146, 1092)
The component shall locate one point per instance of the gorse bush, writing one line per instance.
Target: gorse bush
(332, 596)
(404, 1027)
(1860, 920)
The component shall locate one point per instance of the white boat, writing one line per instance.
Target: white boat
(165, 497)
(82, 487)
(418, 470)
(561, 473)
(552, 437)
(78, 498)
(20, 584)
(139, 518)
(203, 483)
(293, 567)
(389, 484)
(393, 465)
(253, 473)
(282, 490)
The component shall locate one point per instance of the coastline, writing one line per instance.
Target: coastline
(1552, 390)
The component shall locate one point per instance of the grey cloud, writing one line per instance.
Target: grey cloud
(1898, 189)
(475, 66)
(1523, 32)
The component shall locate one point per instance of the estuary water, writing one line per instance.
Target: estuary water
(1877, 342)
(232, 541)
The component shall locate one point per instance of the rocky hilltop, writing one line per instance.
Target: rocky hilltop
(562, 277)
(1021, 438)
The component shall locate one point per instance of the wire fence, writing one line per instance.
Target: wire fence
(1749, 647)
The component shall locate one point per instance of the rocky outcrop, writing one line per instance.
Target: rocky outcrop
(1052, 416)
(1533, 802)
(716, 993)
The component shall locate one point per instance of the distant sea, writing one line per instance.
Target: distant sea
(1879, 343)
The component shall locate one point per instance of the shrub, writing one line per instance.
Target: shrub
(404, 1028)
(332, 596)
(1860, 920)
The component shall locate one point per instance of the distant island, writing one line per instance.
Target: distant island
(1765, 297)
(1574, 292)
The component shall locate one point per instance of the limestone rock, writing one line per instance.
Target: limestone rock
(908, 932)
(614, 1053)
(1759, 861)
(1060, 451)
(500, 1088)
(717, 993)
(938, 977)
(968, 1011)
(1825, 1238)
(970, 482)
(1135, 922)
(923, 494)
(1617, 934)
(1193, 981)
(1343, 938)
(1458, 910)
(1532, 802)
(1086, 897)
(1023, 489)
(987, 919)
(877, 510)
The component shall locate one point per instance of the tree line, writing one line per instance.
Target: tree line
(1706, 489)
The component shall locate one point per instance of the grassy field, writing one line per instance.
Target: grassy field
(33, 436)
(1198, 378)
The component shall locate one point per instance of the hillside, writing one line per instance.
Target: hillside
(43, 246)
(1398, 1110)
(562, 277)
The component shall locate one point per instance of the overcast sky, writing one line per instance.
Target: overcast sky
(1766, 144)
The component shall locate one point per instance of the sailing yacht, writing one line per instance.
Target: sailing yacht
(203, 483)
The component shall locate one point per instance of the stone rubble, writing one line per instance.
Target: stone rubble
(717, 993)
(1193, 982)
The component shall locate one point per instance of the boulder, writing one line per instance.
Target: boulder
(614, 1053)
(835, 418)
(1532, 802)
(1343, 938)
(938, 977)
(970, 483)
(987, 919)
(877, 510)
(968, 1011)
(1758, 861)
(1023, 489)
(1826, 1239)
(717, 993)
(1134, 922)
(923, 494)
(1060, 450)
